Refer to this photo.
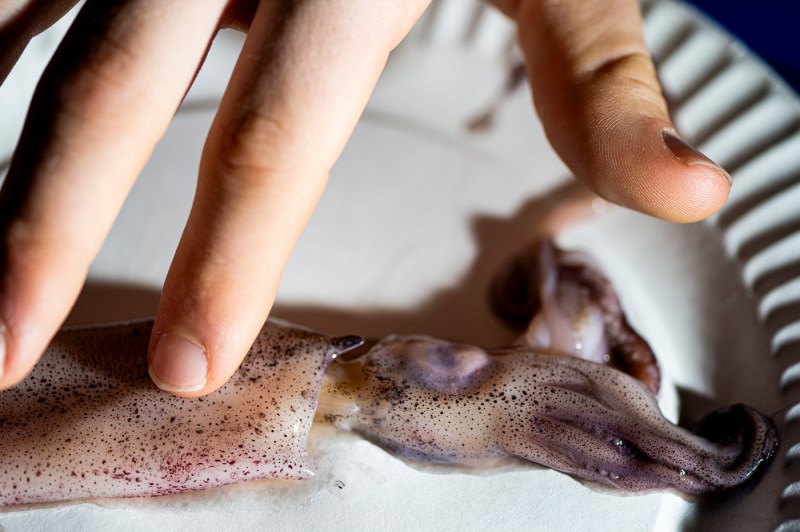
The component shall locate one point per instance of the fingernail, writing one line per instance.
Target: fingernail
(178, 365)
(688, 154)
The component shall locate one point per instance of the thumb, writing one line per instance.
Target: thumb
(599, 99)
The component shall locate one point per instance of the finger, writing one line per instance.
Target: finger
(22, 20)
(596, 91)
(105, 99)
(300, 84)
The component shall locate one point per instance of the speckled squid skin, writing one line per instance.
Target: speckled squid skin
(88, 422)
(439, 401)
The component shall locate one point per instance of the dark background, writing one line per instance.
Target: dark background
(770, 28)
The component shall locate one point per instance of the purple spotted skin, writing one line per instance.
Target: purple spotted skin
(440, 401)
(88, 422)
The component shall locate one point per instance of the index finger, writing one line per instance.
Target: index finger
(300, 84)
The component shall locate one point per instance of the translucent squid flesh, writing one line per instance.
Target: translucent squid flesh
(565, 304)
(434, 400)
(88, 422)
(576, 393)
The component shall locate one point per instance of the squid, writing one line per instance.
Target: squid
(576, 392)
(88, 422)
(433, 400)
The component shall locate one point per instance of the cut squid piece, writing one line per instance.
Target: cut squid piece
(434, 400)
(88, 422)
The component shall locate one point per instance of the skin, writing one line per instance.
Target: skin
(576, 392)
(89, 423)
(433, 400)
(297, 90)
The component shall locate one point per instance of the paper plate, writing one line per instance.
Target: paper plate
(422, 208)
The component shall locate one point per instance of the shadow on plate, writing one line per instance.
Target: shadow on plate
(460, 311)
(457, 312)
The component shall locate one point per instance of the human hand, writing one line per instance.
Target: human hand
(108, 95)
(299, 86)
(597, 93)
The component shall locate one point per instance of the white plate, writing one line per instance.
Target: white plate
(419, 213)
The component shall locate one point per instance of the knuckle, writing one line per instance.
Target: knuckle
(257, 148)
(634, 79)
(634, 64)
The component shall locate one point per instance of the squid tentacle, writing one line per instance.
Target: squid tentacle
(586, 419)
(565, 304)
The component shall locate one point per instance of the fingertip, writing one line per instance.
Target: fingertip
(702, 186)
(179, 365)
(184, 365)
(199, 342)
(641, 163)
(697, 192)
(38, 286)
(687, 154)
(689, 186)
(14, 364)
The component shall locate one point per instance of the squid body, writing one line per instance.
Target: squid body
(88, 422)
(576, 393)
